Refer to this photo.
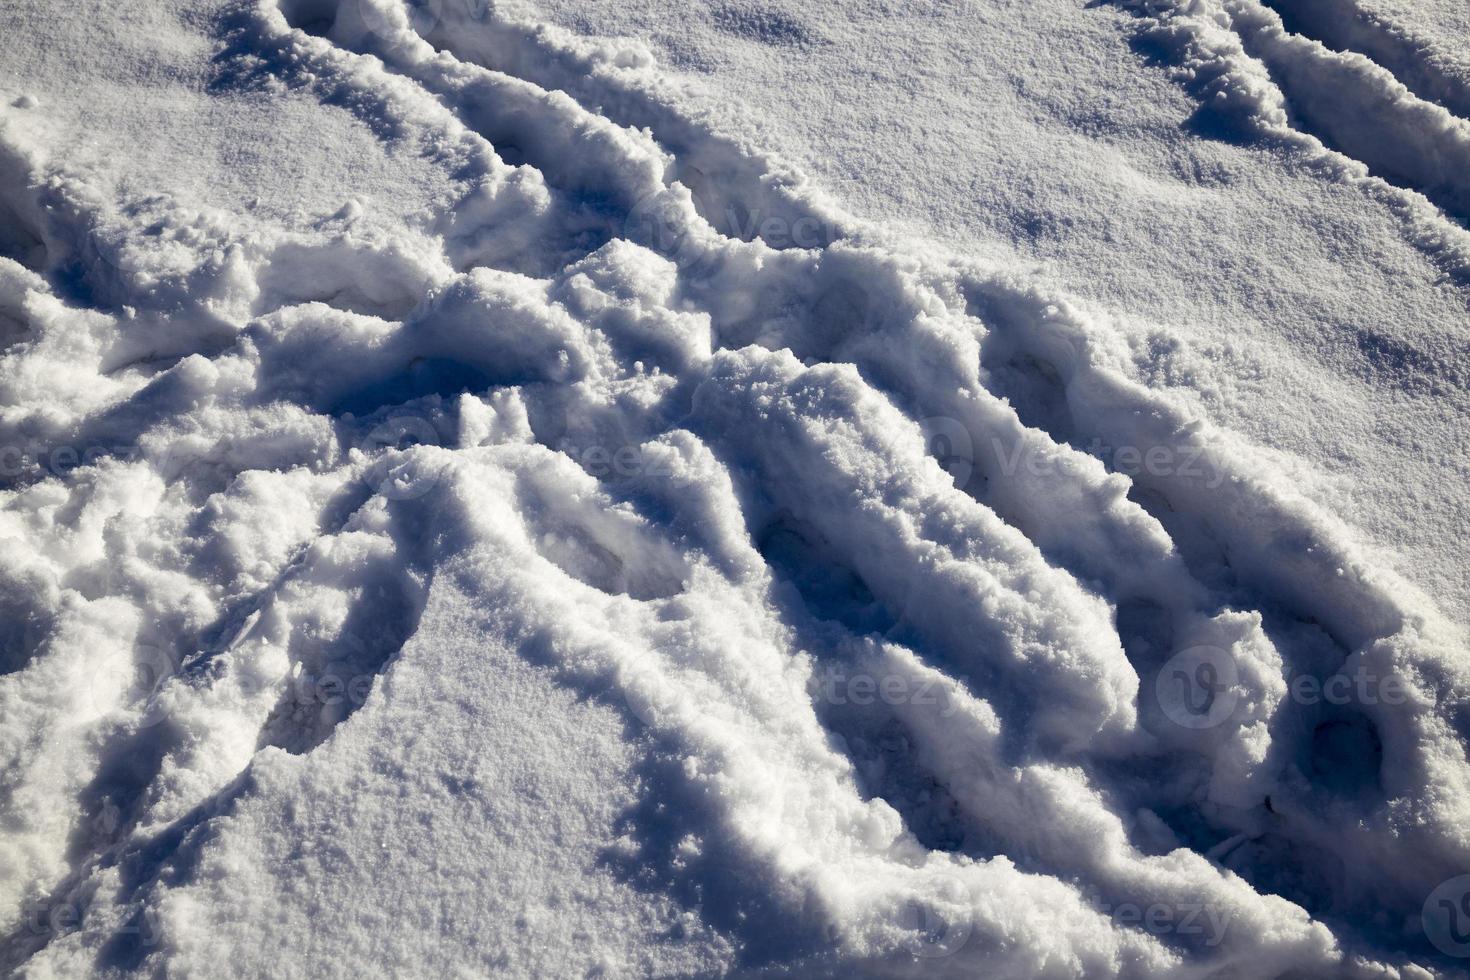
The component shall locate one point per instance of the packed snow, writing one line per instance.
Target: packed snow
(955, 488)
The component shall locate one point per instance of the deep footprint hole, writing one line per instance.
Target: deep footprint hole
(829, 589)
(1347, 757)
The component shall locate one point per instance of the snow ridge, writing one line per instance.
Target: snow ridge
(1431, 73)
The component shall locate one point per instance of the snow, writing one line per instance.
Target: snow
(631, 489)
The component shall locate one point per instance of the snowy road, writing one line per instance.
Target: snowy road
(971, 489)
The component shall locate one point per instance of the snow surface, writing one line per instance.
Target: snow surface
(927, 489)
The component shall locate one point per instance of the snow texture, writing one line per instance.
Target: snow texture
(471, 506)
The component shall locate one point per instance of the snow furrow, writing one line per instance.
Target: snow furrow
(1360, 124)
(1431, 73)
(1360, 109)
